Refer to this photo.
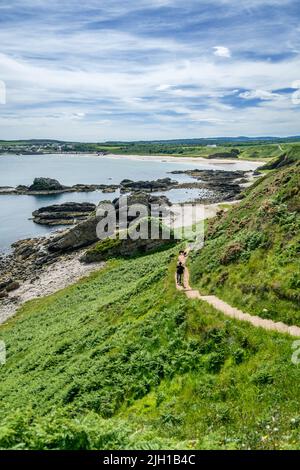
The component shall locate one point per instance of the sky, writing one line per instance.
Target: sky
(102, 70)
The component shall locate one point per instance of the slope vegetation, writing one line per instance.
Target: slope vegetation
(251, 253)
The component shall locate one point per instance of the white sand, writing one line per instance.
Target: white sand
(173, 159)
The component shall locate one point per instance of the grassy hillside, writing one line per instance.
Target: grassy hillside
(249, 151)
(251, 254)
(122, 360)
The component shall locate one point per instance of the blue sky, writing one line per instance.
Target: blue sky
(137, 69)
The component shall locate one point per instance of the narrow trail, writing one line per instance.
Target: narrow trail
(232, 312)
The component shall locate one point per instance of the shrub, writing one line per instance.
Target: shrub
(232, 253)
(214, 361)
(238, 355)
(262, 377)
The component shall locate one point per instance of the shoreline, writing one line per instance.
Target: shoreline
(174, 159)
(156, 158)
(64, 272)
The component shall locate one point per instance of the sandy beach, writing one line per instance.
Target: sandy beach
(173, 159)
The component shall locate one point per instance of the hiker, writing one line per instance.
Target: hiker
(182, 257)
(179, 272)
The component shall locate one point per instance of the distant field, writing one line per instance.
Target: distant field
(242, 150)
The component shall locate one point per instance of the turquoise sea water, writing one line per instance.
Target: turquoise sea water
(15, 211)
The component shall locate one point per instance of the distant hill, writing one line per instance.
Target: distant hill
(34, 141)
(216, 140)
(195, 141)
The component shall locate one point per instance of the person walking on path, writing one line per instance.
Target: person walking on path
(182, 272)
(179, 273)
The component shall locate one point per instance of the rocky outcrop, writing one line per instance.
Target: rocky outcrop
(7, 190)
(24, 264)
(7, 285)
(109, 188)
(126, 248)
(164, 184)
(13, 285)
(32, 256)
(45, 184)
(68, 213)
(86, 188)
(226, 185)
(125, 243)
(215, 185)
(84, 234)
(214, 175)
(147, 200)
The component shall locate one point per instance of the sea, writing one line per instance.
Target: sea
(16, 210)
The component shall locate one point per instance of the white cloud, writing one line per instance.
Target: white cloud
(69, 72)
(105, 122)
(263, 95)
(222, 51)
(77, 116)
(163, 87)
(2, 92)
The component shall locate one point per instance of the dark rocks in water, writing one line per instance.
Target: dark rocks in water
(225, 184)
(63, 214)
(148, 186)
(46, 184)
(110, 188)
(85, 188)
(7, 190)
(21, 189)
(212, 175)
(142, 198)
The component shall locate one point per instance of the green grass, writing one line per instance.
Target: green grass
(258, 151)
(251, 253)
(122, 360)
